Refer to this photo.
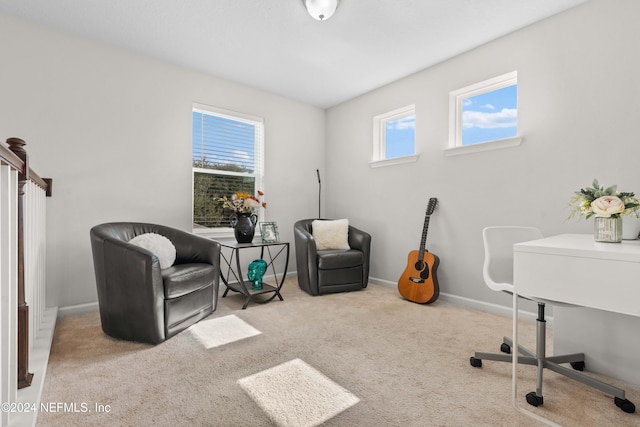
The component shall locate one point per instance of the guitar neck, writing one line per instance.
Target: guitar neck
(423, 241)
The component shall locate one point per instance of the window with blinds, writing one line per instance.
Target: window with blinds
(227, 158)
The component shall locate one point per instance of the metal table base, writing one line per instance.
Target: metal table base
(231, 272)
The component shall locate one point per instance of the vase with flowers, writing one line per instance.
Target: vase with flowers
(607, 206)
(243, 219)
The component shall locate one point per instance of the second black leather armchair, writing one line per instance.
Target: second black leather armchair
(331, 270)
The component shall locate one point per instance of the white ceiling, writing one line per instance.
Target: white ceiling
(276, 46)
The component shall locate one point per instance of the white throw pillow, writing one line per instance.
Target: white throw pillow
(159, 245)
(331, 234)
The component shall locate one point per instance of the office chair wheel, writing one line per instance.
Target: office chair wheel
(624, 404)
(534, 400)
(476, 363)
(505, 348)
(578, 366)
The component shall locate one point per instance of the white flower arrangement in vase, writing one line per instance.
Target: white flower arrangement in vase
(608, 206)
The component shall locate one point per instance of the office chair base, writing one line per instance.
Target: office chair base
(527, 357)
(534, 400)
(624, 404)
(578, 366)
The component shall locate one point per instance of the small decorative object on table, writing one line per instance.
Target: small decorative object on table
(269, 232)
(244, 218)
(257, 268)
(607, 205)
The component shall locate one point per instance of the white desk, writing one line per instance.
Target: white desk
(574, 269)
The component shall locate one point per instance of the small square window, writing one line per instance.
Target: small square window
(490, 116)
(485, 112)
(400, 137)
(394, 136)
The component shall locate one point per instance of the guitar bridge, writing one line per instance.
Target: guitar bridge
(416, 279)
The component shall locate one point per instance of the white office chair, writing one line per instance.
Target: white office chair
(498, 275)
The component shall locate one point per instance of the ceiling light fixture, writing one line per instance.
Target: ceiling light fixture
(321, 9)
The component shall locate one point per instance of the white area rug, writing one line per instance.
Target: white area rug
(222, 330)
(294, 394)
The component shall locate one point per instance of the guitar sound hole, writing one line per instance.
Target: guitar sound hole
(421, 267)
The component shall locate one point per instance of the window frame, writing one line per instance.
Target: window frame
(258, 174)
(456, 97)
(380, 137)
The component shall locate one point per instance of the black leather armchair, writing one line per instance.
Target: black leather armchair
(332, 270)
(138, 300)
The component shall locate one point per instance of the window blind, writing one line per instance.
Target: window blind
(226, 158)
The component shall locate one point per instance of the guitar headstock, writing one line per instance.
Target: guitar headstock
(431, 206)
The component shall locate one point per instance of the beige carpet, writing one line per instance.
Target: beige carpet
(407, 364)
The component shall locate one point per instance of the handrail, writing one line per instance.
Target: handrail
(8, 157)
(15, 156)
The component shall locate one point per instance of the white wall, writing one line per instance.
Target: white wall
(577, 93)
(113, 130)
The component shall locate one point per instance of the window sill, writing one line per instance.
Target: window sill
(394, 161)
(224, 234)
(215, 234)
(483, 146)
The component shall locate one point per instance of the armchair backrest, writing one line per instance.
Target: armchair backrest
(305, 224)
(189, 247)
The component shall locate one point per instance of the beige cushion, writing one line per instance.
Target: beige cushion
(331, 234)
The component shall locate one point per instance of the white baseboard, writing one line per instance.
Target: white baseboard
(453, 299)
(78, 309)
(488, 307)
(38, 361)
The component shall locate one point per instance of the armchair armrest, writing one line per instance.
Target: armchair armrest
(128, 280)
(359, 239)
(306, 258)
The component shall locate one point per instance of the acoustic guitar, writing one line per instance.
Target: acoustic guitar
(419, 282)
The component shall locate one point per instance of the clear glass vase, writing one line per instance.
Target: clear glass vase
(608, 230)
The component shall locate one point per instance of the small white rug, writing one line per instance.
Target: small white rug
(222, 330)
(294, 394)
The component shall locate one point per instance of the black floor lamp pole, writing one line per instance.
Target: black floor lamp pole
(319, 189)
